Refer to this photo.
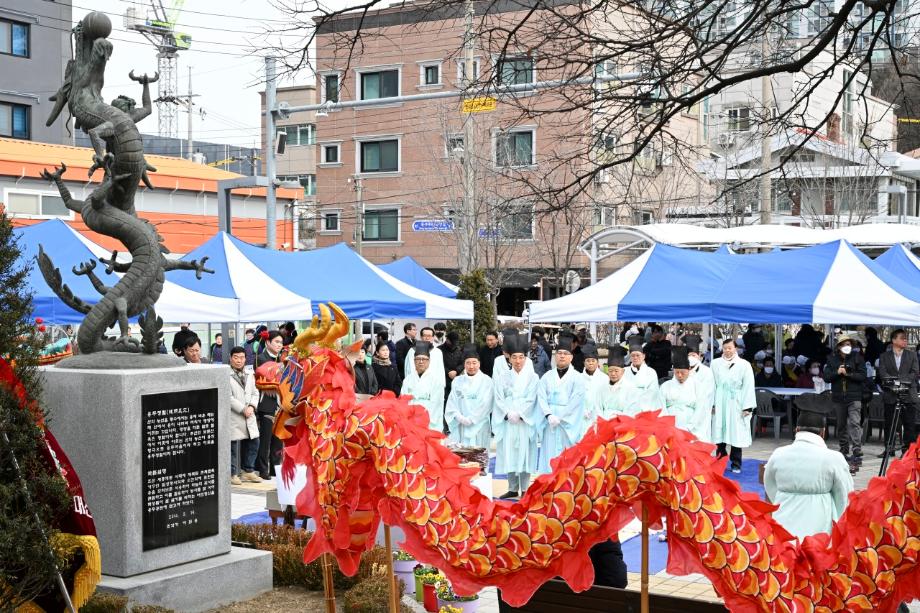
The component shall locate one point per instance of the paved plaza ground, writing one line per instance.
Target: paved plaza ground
(250, 498)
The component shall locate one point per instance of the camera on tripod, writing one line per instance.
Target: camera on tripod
(894, 385)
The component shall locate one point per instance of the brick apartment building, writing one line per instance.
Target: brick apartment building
(407, 157)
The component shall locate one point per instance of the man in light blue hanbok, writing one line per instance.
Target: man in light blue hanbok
(561, 398)
(516, 419)
(734, 404)
(680, 395)
(618, 394)
(643, 377)
(436, 358)
(808, 481)
(705, 387)
(469, 406)
(594, 378)
(424, 386)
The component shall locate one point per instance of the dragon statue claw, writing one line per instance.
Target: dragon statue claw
(378, 461)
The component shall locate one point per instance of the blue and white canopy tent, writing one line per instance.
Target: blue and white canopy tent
(409, 271)
(261, 297)
(828, 283)
(335, 274)
(900, 261)
(67, 248)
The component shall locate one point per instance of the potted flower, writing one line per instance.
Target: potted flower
(447, 597)
(430, 580)
(419, 572)
(403, 566)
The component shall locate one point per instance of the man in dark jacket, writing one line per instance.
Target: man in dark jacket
(453, 359)
(403, 346)
(489, 352)
(899, 364)
(768, 377)
(753, 341)
(846, 372)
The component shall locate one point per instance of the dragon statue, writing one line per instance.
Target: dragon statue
(109, 210)
(378, 461)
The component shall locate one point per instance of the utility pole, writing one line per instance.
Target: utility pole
(766, 145)
(467, 244)
(191, 105)
(270, 214)
(359, 215)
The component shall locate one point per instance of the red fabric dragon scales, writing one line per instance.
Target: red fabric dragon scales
(379, 461)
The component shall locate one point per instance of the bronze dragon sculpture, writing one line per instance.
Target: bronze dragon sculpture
(109, 210)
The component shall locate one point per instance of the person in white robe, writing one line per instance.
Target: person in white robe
(643, 377)
(516, 418)
(561, 398)
(734, 404)
(680, 395)
(618, 395)
(705, 387)
(594, 378)
(810, 483)
(469, 406)
(424, 386)
(437, 358)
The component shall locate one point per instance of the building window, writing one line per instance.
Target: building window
(431, 74)
(331, 86)
(604, 215)
(605, 68)
(300, 135)
(849, 102)
(516, 222)
(515, 148)
(461, 70)
(454, 144)
(739, 119)
(606, 142)
(380, 84)
(379, 156)
(14, 120)
(515, 71)
(381, 225)
(32, 203)
(14, 38)
(331, 154)
(308, 182)
(331, 221)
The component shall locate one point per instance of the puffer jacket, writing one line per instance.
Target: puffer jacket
(849, 387)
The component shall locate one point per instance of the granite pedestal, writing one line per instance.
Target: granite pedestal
(153, 452)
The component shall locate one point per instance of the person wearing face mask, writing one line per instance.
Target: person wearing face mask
(618, 396)
(768, 377)
(734, 404)
(705, 387)
(846, 372)
(561, 398)
(754, 341)
(789, 373)
(681, 397)
(365, 379)
(811, 377)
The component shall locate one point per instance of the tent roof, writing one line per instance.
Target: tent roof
(758, 235)
(901, 262)
(261, 296)
(334, 274)
(813, 284)
(67, 247)
(408, 270)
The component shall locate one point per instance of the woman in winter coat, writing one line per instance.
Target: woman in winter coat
(365, 379)
(385, 370)
(244, 428)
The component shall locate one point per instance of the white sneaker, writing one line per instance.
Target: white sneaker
(235, 480)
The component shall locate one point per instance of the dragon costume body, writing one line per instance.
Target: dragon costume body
(378, 461)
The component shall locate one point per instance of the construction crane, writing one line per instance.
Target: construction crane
(159, 27)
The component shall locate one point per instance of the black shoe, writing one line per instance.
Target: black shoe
(508, 495)
(858, 457)
(265, 477)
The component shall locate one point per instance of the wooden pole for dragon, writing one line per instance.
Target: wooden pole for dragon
(644, 586)
(328, 585)
(391, 577)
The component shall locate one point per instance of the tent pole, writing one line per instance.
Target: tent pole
(472, 330)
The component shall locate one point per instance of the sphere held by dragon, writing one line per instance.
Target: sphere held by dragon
(97, 25)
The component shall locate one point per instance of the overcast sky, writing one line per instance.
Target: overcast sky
(227, 68)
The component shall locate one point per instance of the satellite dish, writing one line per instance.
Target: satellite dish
(572, 281)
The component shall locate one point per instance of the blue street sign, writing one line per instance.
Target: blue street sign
(433, 225)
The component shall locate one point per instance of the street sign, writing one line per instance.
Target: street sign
(490, 233)
(433, 225)
(479, 105)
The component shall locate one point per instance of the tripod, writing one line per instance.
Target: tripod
(892, 434)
